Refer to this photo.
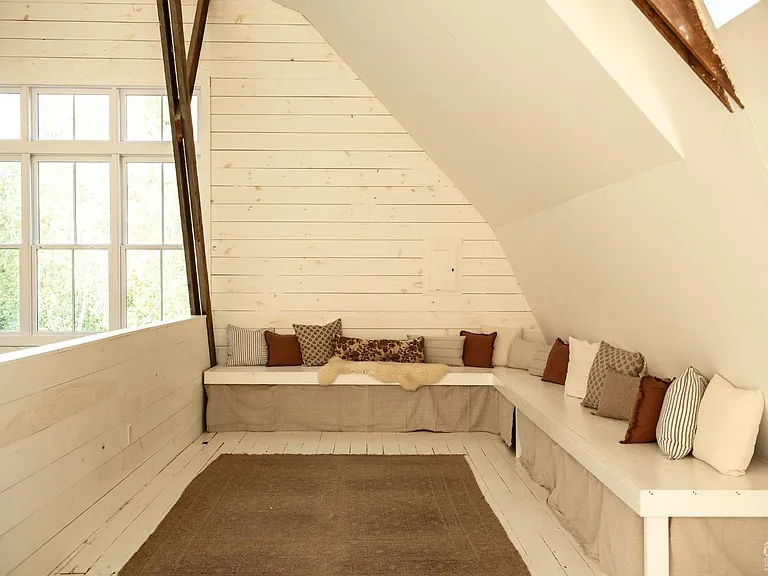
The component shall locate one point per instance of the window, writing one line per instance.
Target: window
(90, 233)
(723, 11)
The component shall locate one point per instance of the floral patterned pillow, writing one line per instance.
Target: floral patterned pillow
(410, 350)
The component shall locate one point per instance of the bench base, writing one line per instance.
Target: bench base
(357, 408)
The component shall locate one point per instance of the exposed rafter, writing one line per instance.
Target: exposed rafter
(178, 84)
(196, 41)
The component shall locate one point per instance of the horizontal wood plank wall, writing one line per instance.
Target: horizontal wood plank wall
(320, 200)
(84, 427)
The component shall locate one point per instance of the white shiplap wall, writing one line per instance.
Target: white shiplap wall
(84, 425)
(320, 200)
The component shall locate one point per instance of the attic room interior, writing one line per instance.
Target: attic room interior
(367, 287)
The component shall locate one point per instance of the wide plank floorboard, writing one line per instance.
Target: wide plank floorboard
(547, 548)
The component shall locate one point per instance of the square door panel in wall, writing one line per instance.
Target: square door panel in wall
(442, 266)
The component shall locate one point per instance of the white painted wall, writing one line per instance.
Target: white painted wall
(320, 201)
(668, 258)
(84, 425)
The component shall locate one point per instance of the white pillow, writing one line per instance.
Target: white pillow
(521, 353)
(504, 336)
(677, 420)
(580, 357)
(726, 430)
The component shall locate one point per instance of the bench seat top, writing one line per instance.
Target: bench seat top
(307, 376)
(639, 474)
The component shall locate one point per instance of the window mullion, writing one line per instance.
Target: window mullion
(115, 252)
(26, 292)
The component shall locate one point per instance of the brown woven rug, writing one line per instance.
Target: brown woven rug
(330, 516)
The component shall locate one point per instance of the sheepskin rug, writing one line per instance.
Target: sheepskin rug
(409, 376)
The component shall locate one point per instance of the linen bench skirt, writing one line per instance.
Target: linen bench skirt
(364, 408)
(612, 533)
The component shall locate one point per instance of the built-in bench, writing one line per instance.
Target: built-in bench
(466, 399)
(654, 488)
(262, 399)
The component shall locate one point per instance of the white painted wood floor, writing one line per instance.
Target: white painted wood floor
(519, 504)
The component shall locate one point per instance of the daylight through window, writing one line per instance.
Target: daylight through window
(90, 234)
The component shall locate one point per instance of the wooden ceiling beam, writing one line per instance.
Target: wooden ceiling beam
(196, 41)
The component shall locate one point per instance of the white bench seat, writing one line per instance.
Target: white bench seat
(655, 488)
(307, 376)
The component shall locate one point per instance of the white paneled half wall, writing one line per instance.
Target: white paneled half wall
(321, 204)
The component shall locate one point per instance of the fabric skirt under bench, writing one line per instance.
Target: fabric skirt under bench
(380, 408)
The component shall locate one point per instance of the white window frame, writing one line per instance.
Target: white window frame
(29, 151)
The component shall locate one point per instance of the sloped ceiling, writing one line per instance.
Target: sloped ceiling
(632, 206)
(502, 95)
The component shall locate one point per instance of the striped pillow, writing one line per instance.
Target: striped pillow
(246, 347)
(539, 361)
(443, 349)
(677, 421)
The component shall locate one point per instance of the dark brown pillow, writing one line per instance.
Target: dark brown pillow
(557, 363)
(645, 414)
(478, 349)
(283, 349)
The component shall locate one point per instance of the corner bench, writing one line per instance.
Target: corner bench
(573, 453)
(653, 488)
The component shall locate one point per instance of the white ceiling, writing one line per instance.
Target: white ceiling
(502, 95)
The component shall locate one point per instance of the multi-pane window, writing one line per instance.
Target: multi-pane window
(90, 234)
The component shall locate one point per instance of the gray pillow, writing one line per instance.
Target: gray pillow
(521, 352)
(446, 350)
(246, 347)
(610, 358)
(619, 395)
(316, 342)
(539, 361)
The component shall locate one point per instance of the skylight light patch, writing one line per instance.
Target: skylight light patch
(723, 11)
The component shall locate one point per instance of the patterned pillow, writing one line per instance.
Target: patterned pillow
(316, 342)
(677, 422)
(363, 350)
(610, 357)
(246, 347)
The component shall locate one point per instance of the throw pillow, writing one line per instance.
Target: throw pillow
(284, 349)
(246, 347)
(726, 430)
(645, 413)
(409, 351)
(478, 349)
(677, 421)
(579, 364)
(619, 395)
(610, 358)
(446, 350)
(316, 342)
(521, 353)
(539, 361)
(504, 337)
(557, 363)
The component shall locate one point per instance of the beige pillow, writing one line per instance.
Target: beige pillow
(521, 353)
(504, 337)
(618, 396)
(727, 426)
(539, 361)
(446, 350)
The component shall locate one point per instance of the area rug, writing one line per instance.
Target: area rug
(323, 515)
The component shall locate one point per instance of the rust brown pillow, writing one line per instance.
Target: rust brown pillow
(645, 414)
(478, 349)
(557, 363)
(408, 351)
(283, 349)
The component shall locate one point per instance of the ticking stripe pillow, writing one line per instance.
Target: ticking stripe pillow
(677, 422)
(539, 361)
(246, 347)
(446, 350)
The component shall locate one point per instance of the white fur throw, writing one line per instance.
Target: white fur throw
(409, 376)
